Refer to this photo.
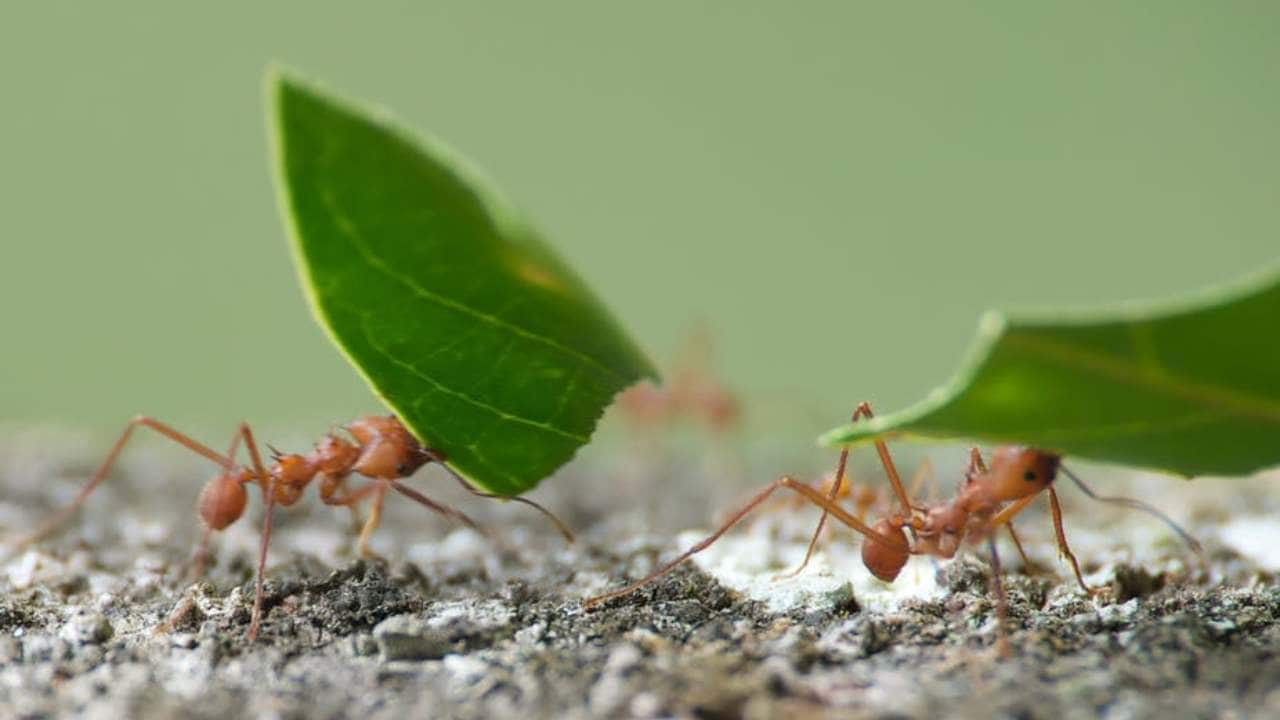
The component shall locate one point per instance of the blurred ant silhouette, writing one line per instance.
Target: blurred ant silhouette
(693, 393)
(379, 448)
(989, 496)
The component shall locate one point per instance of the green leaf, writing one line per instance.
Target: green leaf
(1191, 387)
(459, 316)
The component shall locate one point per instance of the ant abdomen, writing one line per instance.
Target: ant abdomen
(883, 560)
(222, 501)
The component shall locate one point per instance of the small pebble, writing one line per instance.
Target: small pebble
(87, 628)
(405, 637)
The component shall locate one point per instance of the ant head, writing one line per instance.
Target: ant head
(1018, 472)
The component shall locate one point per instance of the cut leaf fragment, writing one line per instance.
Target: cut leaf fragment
(1191, 387)
(459, 316)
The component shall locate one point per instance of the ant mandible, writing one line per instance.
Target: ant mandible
(381, 449)
(989, 496)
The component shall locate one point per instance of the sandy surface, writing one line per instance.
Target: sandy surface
(453, 624)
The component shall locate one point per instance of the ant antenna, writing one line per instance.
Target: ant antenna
(1137, 505)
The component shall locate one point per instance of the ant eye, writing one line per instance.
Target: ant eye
(1029, 476)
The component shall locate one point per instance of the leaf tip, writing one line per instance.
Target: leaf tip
(276, 77)
(831, 437)
(992, 324)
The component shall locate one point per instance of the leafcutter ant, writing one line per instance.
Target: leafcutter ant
(379, 447)
(990, 495)
(693, 393)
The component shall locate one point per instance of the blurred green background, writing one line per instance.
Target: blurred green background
(836, 189)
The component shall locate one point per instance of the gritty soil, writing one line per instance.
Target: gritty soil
(454, 624)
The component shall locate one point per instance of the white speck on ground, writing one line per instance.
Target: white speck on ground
(1256, 537)
(758, 564)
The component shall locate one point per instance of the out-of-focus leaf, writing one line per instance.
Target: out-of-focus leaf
(483, 342)
(1191, 387)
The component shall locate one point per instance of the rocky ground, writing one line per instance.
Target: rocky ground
(454, 624)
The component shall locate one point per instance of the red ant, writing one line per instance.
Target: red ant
(383, 451)
(988, 497)
(693, 392)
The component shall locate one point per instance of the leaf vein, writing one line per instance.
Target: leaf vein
(499, 412)
(349, 228)
(1168, 383)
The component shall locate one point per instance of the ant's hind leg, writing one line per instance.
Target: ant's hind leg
(55, 520)
(814, 496)
(832, 494)
(703, 544)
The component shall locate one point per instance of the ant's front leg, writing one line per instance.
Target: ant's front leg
(976, 464)
(1064, 549)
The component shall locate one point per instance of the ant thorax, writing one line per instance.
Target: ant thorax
(943, 529)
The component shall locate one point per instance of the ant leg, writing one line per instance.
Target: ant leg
(1002, 602)
(375, 517)
(814, 496)
(863, 410)
(924, 476)
(59, 517)
(349, 498)
(1006, 515)
(1063, 548)
(1013, 535)
(434, 506)
(268, 485)
(331, 484)
(975, 461)
(357, 522)
(439, 459)
(356, 496)
(201, 555)
(886, 460)
(832, 494)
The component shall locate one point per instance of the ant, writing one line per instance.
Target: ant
(694, 392)
(989, 496)
(380, 448)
